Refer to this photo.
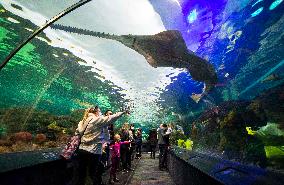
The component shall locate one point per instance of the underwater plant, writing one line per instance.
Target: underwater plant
(54, 127)
(175, 136)
(3, 131)
(270, 134)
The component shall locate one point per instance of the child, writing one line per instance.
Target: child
(115, 157)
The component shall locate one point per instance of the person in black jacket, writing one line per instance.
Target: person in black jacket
(163, 141)
(152, 140)
(125, 153)
(138, 142)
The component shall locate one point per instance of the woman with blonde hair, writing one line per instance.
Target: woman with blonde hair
(90, 149)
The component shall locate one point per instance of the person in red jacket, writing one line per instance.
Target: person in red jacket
(115, 157)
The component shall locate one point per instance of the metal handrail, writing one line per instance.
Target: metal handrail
(40, 29)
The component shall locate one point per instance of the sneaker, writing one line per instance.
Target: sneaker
(124, 171)
(116, 180)
(110, 181)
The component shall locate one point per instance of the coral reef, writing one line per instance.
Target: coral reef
(40, 130)
(25, 137)
(40, 138)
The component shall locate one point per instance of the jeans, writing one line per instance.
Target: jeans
(91, 162)
(125, 156)
(163, 156)
(114, 167)
(153, 150)
(138, 150)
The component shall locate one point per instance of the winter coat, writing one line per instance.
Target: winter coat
(90, 141)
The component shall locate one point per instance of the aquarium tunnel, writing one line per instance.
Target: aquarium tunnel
(211, 71)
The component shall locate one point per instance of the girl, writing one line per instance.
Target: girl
(115, 157)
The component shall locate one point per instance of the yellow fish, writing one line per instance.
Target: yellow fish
(250, 131)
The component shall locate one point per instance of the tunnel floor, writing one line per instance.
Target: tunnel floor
(146, 173)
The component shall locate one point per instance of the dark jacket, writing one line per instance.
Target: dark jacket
(153, 138)
(138, 139)
(124, 137)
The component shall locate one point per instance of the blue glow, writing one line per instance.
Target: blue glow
(275, 4)
(257, 12)
(192, 16)
(256, 3)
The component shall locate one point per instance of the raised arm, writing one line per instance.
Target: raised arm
(104, 120)
(125, 142)
(111, 118)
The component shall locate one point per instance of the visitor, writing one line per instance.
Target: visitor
(115, 157)
(166, 137)
(169, 129)
(161, 131)
(152, 139)
(124, 149)
(138, 143)
(111, 132)
(90, 149)
(132, 143)
(106, 139)
(133, 146)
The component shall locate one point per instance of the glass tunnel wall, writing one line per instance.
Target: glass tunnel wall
(47, 85)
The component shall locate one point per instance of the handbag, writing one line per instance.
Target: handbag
(72, 145)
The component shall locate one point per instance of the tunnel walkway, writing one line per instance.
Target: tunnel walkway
(147, 173)
(186, 168)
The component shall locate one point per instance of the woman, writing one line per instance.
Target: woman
(138, 142)
(153, 142)
(90, 149)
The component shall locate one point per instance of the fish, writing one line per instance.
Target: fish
(196, 97)
(272, 77)
(164, 49)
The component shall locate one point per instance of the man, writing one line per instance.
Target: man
(106, 129)
(161, 133)
(90, 149)
(106, 136)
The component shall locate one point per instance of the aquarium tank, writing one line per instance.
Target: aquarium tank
(213, 69)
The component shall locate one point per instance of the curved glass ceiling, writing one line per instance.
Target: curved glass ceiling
(107, 52)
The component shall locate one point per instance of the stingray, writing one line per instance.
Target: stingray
(165, 49)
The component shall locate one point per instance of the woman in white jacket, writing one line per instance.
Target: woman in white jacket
(90, 149)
